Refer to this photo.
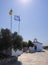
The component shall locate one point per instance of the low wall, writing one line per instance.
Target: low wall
(8, 60)
(17, 52)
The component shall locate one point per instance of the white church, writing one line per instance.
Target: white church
(38, 46)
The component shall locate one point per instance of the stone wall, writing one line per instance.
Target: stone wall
(8, 60)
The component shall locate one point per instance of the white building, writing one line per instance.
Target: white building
(37, 46)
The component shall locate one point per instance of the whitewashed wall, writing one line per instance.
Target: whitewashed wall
(39, 48)
(31, 49)
(17, 52)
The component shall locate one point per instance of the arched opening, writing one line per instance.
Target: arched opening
(35, 48)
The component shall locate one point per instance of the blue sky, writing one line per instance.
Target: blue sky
(34, 18)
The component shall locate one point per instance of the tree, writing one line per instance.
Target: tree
(9, 39)
(5, 39)
(17, 41)
(30, 43)
(24, 44)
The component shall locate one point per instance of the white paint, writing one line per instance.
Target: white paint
(17, 52)
(39, 46)
(31, 49)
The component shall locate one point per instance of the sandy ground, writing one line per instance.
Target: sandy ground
(38, 58)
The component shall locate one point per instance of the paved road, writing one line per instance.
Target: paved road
(38, 58)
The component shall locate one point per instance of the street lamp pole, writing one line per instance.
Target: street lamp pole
(11, 23)
(10, 13)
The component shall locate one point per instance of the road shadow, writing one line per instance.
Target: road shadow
(15, 63)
